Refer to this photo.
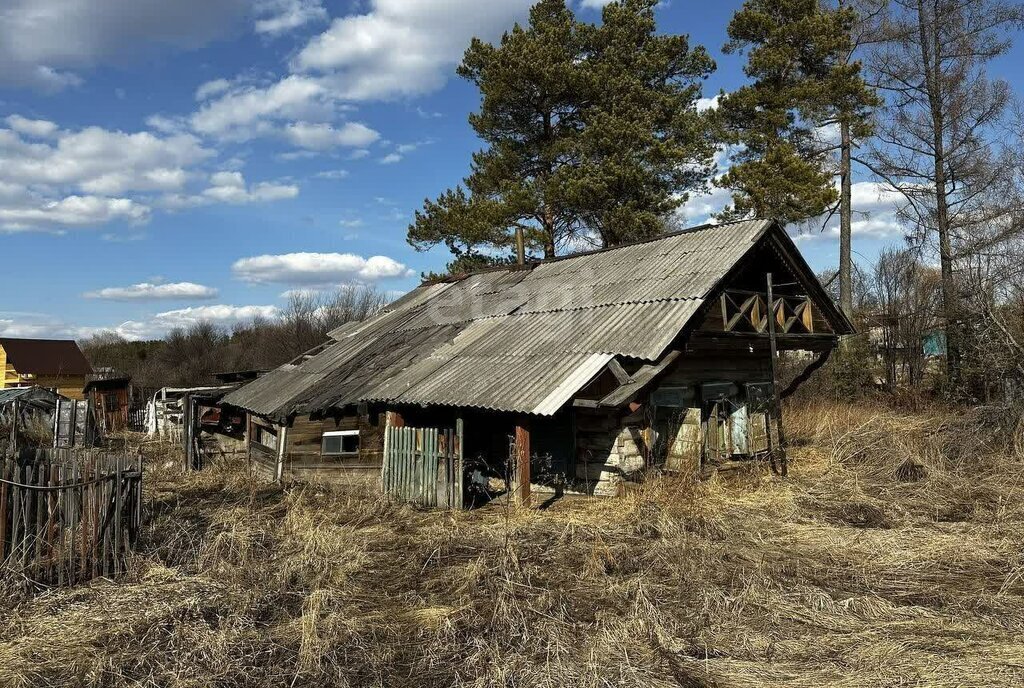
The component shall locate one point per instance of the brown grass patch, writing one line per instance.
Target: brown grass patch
(891, 556)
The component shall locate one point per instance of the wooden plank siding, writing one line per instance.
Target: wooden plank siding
(302, 459)
(111, 408)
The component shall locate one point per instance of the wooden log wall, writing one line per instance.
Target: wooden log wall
(68, 516)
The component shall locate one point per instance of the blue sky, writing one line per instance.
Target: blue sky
(164, 162)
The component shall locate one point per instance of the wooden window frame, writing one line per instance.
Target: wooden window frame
(340, 433)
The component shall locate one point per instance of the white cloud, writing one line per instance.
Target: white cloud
(41, 39)
(230, 187)
(280, 16)
(160, 324)
(52, 178)
(212, 88)
(874, 215)
(401, 48)
(220, 314)
(317, 268)
(35, 327)
(700, 208)
(72, 211)
(401, 150)
(351, 224)
(167, 125)
(708, 103)
(323, 136)
(245, 111)
(146, 291)
(99, 161)
(297, 155)
(594, 4)
(36, 128)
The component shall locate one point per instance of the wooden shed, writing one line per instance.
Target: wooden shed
(584, 372)
(111, 396)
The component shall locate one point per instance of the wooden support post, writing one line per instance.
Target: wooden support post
(776, 400)
(460, 467)
(186, 430)
(520, 478)
(248, 441)
(282, 441)
(14, 427)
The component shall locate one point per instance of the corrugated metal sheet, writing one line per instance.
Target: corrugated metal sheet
(28, 394)
(521, 339)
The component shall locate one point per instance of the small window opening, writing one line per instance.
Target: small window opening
(340, 443)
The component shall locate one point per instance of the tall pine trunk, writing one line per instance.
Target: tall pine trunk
(845, 222)
(548, 216)
(549, 232)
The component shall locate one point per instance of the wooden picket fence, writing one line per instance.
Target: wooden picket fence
(424, 465)
(68, 515)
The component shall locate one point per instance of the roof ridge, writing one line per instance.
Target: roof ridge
(534, 263)
(35, 339)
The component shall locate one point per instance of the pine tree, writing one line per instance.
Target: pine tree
(643, 145)
(591, 135)
(802, 79)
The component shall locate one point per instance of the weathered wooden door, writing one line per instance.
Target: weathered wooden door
(424, 465)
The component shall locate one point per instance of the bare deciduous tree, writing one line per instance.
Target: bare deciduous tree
(939, 144)
(907, 297)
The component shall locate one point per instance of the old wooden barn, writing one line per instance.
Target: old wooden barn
(580, 372)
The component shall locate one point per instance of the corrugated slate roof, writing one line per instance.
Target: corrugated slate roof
(522, 339)
(32, 395)
(45, 356)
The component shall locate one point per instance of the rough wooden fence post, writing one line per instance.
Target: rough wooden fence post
(5, 474)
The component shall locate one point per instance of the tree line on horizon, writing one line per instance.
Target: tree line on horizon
(190, 356)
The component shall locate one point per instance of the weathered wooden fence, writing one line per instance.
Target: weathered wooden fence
(68, 516)
(137, 417)
(424, 465)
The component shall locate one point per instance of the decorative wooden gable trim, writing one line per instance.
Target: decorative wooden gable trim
(747, 311)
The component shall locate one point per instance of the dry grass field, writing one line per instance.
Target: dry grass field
(893, 555)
